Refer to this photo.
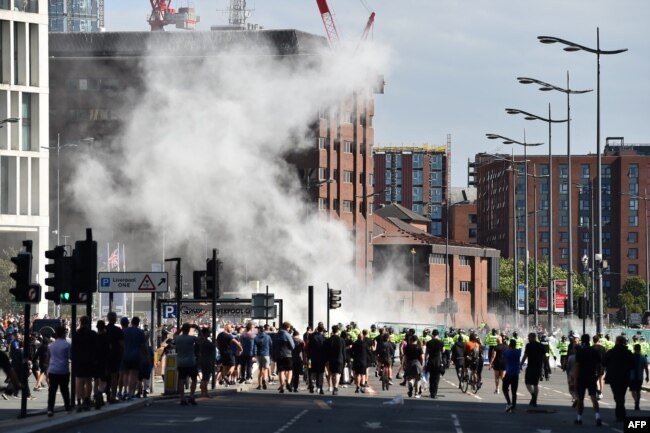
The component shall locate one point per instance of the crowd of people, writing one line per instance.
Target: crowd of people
(113, 362)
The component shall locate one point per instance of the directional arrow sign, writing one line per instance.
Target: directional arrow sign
(133, 282)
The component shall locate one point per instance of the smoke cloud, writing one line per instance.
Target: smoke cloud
(202, 164)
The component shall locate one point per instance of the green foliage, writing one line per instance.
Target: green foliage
(506, 278)
(6, 282)
(633, 294)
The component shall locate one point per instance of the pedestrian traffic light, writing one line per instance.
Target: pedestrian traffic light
(334, 299)
(22, 276)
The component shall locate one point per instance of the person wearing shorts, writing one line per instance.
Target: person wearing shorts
(225, 340)
(284, 357)
(535, 353)
(588, 365)
(186, 362)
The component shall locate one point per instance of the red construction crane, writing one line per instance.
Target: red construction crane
(328, 21)
(163, 14)
(330, 25)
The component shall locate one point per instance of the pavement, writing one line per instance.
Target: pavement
(38, 421)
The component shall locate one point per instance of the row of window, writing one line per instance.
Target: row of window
(30, 6)
(439, 259)
(394, 160)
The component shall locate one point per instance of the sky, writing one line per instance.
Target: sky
(453, 66)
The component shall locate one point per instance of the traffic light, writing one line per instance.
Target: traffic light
(22, 276)
(334, 299)
(84, 267)
(212, 278)
(60, 270)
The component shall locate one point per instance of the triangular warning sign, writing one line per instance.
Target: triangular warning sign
(147, 284)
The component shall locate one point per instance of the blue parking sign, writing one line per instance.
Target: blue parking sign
(105, 282)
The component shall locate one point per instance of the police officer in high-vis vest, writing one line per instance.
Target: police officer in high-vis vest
(563, 348)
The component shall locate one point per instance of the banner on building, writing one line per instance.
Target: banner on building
(521, 297)
(542, 302)
(560, 295)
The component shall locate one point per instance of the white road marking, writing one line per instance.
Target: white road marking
(291, 421)
(456, 423)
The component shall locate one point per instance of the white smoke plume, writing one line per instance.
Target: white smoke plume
(202, 163)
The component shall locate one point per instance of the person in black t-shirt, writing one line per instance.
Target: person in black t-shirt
(498, 363)
(585, 374)
(413, 360)
(535, 353)
(224, 345)
(434, 363)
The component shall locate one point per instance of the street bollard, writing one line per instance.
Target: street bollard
(171, 375)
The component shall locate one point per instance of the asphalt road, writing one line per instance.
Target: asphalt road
(270, 412)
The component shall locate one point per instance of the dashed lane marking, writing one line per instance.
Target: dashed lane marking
(456, 423)
(321, 404)
(291, 422)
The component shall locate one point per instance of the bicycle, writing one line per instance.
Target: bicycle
(470, 380)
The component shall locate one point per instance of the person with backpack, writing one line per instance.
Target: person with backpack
(474, 357)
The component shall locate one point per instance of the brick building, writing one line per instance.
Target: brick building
(472, 271)
(92, 74)
(625, 177)
(417, 177)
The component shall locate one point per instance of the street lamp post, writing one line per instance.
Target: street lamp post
(525, 145)
(413, 252)
(568, 91)
(585, 267)
(571, 46)
(550, 121)
(446, 303)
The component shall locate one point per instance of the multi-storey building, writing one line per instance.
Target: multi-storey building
(76, 15)
(624, 177)
(416, 177)
(93, 74)
(24, 106)
(462, 215)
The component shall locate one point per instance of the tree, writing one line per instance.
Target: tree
(633, 294)
(506, 278)
(6, 282)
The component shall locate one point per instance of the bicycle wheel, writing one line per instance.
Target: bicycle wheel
(464, 383)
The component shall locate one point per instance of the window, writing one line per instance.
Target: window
(607, 236)
(436, 195)
(435, 211)
(417, 193)
(27, 122)
(347, 176)
(564, 171)
(564, 236)
(418, 160)
(471, 218)
(584, 171)
(322, 203)
(323, 114)
(634, 204)
(435, 162)
(322, 142)
(417, 178)
(347, 117)
(584, 205)
(436, 259)
(335, 204)
(436, 178)
(466, 286)
(564, 204)
(398, 194)
(564, 253)
(585, 236)
(472, 233)
(543, 170)
(543, 236)
(564, 218)
(545, 252)
(418, 208)
(633, 219)
(564, 266)
(633, 170)
(347, 146)
(543, 204)
(347, 206)
(632, 269)
(564, 188)
(632, 253)
(606, 170)
(436, 228)
(322, 173)
(607, 252)
(543, 220)
(583, 221)
(633, 237)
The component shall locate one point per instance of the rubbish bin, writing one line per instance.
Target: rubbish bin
(171, 375)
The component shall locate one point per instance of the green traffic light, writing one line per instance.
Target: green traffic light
(65, 296)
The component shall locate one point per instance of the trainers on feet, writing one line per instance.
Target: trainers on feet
(50, 413)
(599, 422)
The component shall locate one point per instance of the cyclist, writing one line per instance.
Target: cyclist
(459, 359)
(474, 358)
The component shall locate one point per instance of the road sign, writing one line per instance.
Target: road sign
(200, 309)
(133, 282)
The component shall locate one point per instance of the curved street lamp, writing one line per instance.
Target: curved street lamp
(550, 121)
(568, 91)
(572, 46)
(525, 144)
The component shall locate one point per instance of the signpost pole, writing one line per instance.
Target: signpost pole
(215, 285)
